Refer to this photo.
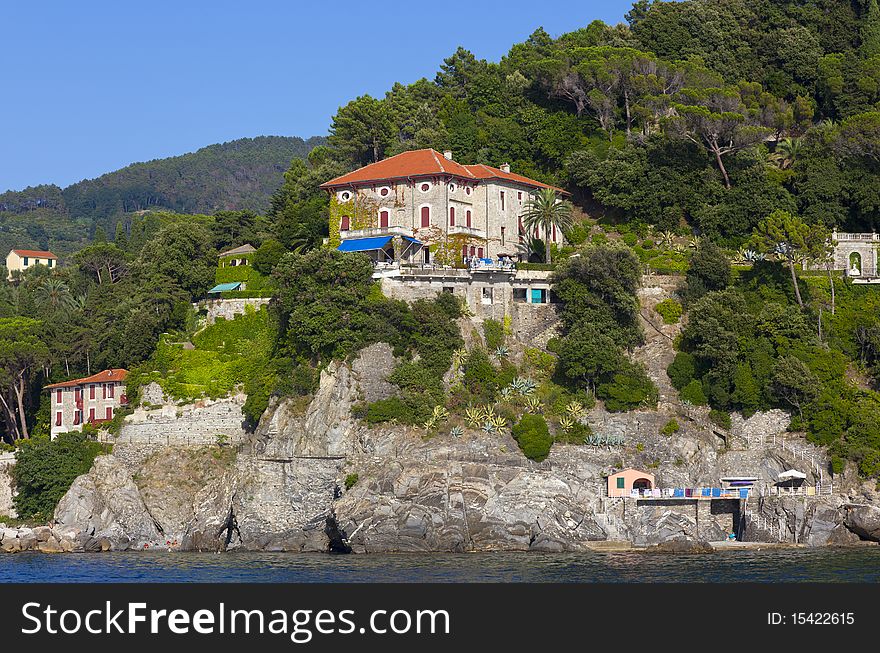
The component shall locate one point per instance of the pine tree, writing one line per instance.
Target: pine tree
(871, 30)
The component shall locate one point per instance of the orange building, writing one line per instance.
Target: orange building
(624, 482)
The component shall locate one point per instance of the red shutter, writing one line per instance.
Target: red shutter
(58, 418)
(519, 195)
(103, 390)
(109, 412)
(383, 219)
(91, 414)
(464, 251)
(502, 200)
(112, 390)
(58, 396)
(473, 250)
(91, 391)
(426, 216)
(480, 252)
(345, 223)
(77, 417)
(451, 216)
(468, 216)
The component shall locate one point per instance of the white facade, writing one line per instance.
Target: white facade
(94, 399)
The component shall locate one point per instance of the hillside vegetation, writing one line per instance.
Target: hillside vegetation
(238, 175)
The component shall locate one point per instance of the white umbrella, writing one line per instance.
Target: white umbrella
(791, 473)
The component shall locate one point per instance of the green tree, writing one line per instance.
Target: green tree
(788, 236)
(267, 256)
(709, 271)
(22, 356)
(795, 383)
(362, 129)
(184, 253)
(45, 469)
(546, 211)
(106, 261)
(870, 31)
(533, 437)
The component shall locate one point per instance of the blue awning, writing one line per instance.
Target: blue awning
(225, 287)
(363, 244)
(413, 240)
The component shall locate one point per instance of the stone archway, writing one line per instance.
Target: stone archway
(642, 484)
(854, 263)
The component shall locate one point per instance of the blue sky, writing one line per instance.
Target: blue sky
(92, 86)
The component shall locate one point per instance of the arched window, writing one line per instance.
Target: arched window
(426, 216)
(383, 219)
(451, 216)
(345, 223)
(467, 216)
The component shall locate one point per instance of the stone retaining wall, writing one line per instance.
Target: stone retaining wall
(196, 424)
(229, 308)
(6, 463)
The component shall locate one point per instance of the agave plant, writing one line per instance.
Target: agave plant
(667, 239)
(523, 386)
(506, 393)
(566, 423)
(498, 422)
(473, 415)
(678, 248)
(488, 428)
(440, 413)
(533, 405)
(575, 410)
(501, 352)
(488, 413)
(752, 256)
(459, 356)
(456, 432)
(694, 242)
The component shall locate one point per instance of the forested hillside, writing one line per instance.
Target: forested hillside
(238, 175)
(704, 114)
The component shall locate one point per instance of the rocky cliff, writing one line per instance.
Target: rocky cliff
(283, 488)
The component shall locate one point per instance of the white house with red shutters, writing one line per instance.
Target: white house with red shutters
(93, 399)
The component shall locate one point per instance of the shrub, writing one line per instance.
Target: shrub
(721, 418)
(671, 427)
(494, 332)
(682, 370)
(351, 480)
(670, 310)
(693, 393)
(387, 410)
(629, 389)
(45, 469)
(630, 239)
(533, 437)
(479, 376)
(837, 465)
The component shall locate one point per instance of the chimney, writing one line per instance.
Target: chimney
(447, 154)
(505, 167)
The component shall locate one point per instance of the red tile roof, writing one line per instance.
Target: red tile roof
(35, 253)
(420, 163)
(482, 171)
(106, 376)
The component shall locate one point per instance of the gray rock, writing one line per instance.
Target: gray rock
(864, 521)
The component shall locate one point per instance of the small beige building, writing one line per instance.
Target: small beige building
(623, 483)
(93, 399)
(236, 256)
(19, 260)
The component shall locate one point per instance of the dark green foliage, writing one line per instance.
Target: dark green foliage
(479, 377)
(628, 389)
(351, 480)
(388, 410)
(533, 437)
(721, 418)
(267, 256)
(45, 469)
(694, 394)
(493, 331)
(681, 370)
(709, 271)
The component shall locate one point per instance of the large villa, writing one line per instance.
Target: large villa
(424, 207)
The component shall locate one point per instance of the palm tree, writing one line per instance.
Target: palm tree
(54, 295)
(545, 211)
(532, 248)
(787, 150)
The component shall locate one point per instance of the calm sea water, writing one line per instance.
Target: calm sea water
(795, 565)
